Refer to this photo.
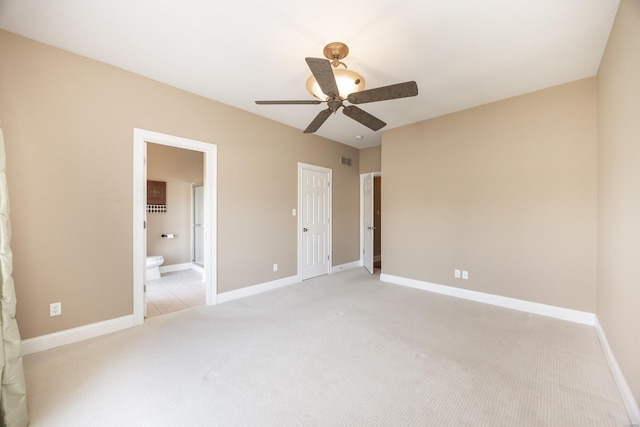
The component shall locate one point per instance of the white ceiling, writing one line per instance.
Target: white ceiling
(462, 53)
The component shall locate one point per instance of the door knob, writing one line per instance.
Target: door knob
(305, 229)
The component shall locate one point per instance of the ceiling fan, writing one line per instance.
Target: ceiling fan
(335, 85)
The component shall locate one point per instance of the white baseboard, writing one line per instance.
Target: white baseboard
(627, 397)
(69, 336)
(506, 302)
(197, 268)
(347, 266)
(175, 267)
(57, 339)
(255, 289)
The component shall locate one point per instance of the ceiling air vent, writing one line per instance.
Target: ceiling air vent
(345, 161)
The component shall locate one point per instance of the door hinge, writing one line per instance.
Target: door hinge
(145, 288)
(328, 257)
(144, 225)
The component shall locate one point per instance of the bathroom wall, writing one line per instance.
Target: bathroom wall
(180, 169)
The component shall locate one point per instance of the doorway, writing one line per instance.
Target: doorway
(140, 139)
(314, 221)
(177, 283)
(377, 222)
(371, 221)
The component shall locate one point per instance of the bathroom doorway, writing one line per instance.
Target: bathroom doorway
(177, 283)
(141, 221)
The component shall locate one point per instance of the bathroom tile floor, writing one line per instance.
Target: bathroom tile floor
(174, 291)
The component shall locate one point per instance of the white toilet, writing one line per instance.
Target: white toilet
(153, 266)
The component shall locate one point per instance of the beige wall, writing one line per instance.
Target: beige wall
(68, 124)
(619, 192)
(180, 169)
(370, 159)
(506, 191)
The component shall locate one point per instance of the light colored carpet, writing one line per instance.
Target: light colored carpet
(340, 350)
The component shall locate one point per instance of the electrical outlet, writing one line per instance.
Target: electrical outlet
(275, 267)
(55, 309)
(465, 275)
(456, 273)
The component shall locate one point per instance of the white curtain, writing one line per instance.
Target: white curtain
(13, 394)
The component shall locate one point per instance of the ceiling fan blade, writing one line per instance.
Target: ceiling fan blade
(363, 117)
(399, 90)
(318, 121)
(314, 101)
(322, 71)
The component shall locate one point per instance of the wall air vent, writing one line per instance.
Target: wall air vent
(345, 161)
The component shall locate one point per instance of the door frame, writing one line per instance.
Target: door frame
(210, 153)
(300, 212)
(362, 231)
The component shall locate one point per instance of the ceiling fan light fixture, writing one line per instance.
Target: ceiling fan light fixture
(348, 81)
(344, 85)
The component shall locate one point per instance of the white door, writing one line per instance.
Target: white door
(315, 215)
(367, 221)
